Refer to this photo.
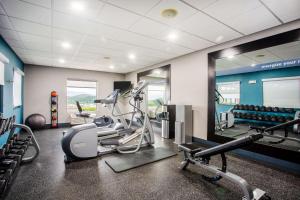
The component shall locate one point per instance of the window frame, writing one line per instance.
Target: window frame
(228, 83)
(83, 80)
(21, 74)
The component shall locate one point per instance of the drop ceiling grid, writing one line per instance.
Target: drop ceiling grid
(182, 47)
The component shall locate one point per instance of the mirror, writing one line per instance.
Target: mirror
(158, 92)
(259, 89)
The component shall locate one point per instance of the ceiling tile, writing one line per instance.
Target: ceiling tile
(64, 35)
(138, 6)
(117, 17)
(253, 21)
(92, 8)
(287, 10)
(4, 22)
(186, 40)
(29, 27)
(27, 11)
(208, 28)
(148, 27)
(9, 34)
(184, 11)
(229, 9)
(15, 43)
(200, 4)
(72, 23)
(44, 3)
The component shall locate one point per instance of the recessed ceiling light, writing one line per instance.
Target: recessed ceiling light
(131, 56)
(230, 57)
(111, 66)
(62, 61)
(169, 13)
(77, 6)
(66, 45)
(219, 38)
(253, 65)
(172, 36)
(157, 71)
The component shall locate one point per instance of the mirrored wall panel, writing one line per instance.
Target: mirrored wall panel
(158, 92)
(259, 89)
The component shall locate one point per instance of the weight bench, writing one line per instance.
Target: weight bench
(195, 155)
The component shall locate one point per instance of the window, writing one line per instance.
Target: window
(282, 92)
(85, 92)
(230, 92)
(156, 97)
(17, 88)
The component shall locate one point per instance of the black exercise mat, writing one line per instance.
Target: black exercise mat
(124, 162)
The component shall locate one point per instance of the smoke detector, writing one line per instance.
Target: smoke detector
(169, 13)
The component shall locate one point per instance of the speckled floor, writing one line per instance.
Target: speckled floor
(48, 178)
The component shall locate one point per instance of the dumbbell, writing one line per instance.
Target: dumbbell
(281, 119)
(251, 107)
(246, 107)
(262, 108)
(260, 117)
(243, 115)
(289, 118)
(242, 107)
(268, 109)
(281, 110)
(10, 150)
(5, 177)
(15, 146)
(254, 116)
(267, 118)
(289, 110)
(235, 107)
(248, 116)
(238, 115)
(9, 156)
(275, 109)
(19, 141)
(256, 108)
(274, 118)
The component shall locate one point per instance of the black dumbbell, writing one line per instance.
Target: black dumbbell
(289, 118)
(243, 115)
(289, 110)
(248, 116)
(275, 109)
(267, 118)
(282, 110)
(262, 108)
(274, 118)
(235, 107)
(242, 107)
(269, 109)
(251, 107)
(281, 119)
(238, 115)
(254, 116)
(246, 107)
(260, 117)
(256, 108)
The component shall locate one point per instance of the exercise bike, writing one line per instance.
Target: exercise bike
(82, 142)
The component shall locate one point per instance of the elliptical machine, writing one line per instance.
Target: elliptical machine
(82, 142)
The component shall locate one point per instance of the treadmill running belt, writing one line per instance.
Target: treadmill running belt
(124, 162)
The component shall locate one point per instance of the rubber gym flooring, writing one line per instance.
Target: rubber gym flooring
(48, 178)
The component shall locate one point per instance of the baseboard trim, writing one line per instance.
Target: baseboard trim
(60, 125)
(265, 160)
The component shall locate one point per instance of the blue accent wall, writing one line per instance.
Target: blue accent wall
(6, 91)
(253, 93)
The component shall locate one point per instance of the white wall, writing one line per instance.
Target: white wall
(40, 81)
(189, 76)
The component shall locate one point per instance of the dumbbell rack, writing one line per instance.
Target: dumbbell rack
(12, 154)
(262, 114)
(54, 111)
